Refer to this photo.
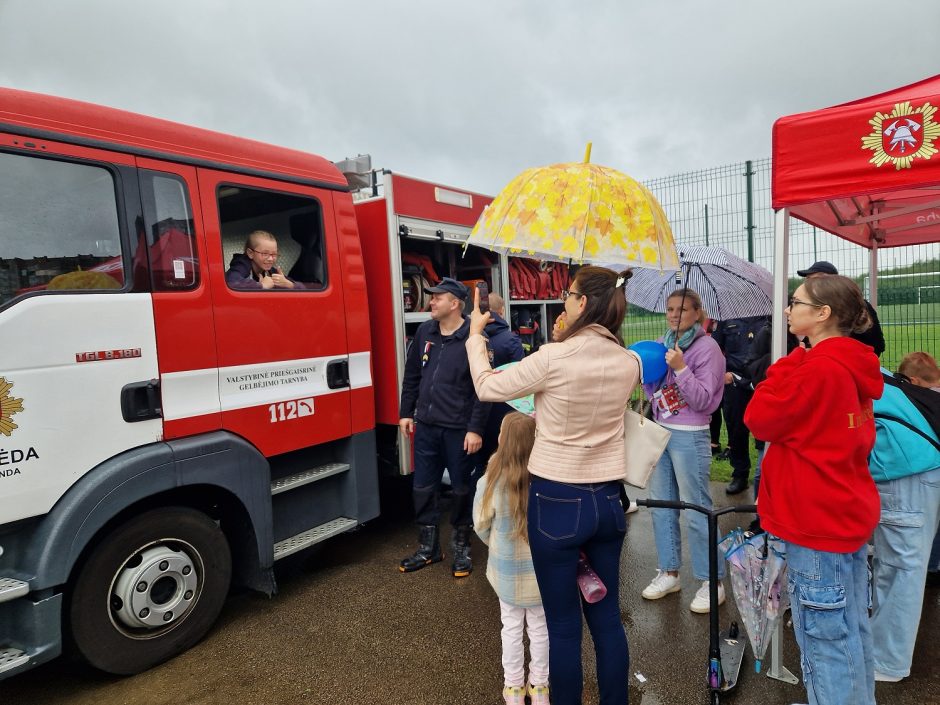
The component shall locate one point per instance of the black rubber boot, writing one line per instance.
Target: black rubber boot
(429, 551)
(463, 565)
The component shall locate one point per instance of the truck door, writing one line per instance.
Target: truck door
(282, 352)
(78, 366)
(182, 305)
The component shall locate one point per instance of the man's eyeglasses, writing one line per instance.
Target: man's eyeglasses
(565, 294)
(795, 301)
(265, 255)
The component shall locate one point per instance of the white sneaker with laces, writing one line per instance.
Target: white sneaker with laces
(700, 603)
(662, 585)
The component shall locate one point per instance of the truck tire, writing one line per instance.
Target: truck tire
(149, 590)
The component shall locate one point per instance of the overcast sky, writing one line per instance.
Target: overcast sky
(469, 94)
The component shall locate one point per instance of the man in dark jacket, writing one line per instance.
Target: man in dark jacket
(505, 346)
(440, 406)
(736, 337)
(873, 336)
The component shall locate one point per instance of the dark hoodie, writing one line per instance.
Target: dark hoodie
(815, 409)
(241, 276)
(505, 344)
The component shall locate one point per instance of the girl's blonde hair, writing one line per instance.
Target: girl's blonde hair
(508, 469)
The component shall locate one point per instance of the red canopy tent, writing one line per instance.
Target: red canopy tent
(867, 171)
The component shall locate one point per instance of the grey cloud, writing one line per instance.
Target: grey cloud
(471, 94)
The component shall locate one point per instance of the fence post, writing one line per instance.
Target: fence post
(706, 225)
(749, 174)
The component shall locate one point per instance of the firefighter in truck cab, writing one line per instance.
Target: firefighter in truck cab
(440, 407)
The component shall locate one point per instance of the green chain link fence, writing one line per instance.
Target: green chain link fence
(729, 206)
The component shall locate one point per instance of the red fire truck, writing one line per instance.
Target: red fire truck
(164, 434)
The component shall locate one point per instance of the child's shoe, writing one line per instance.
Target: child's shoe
(514, 695)
(538, 695)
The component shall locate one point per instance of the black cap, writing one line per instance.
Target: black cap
(819, 268)
(449, 286)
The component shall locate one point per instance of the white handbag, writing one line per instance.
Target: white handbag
(644, 441)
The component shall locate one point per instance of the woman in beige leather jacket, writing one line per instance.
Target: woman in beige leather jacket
(581, 385)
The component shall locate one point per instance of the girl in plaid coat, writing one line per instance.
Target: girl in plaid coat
(499, 519)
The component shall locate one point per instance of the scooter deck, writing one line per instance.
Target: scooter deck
(732, 655)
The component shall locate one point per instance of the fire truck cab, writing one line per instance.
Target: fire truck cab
(166, 431)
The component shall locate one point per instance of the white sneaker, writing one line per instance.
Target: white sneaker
(700, 603)
(662, 585)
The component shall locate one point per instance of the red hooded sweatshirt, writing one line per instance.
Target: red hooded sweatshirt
(815, 410)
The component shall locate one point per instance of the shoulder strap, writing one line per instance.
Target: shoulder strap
(912, 427)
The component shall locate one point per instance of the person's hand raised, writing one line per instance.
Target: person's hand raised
(560, 323)
(675, 359)
(280, 281)
(266, 280)
(478, 320)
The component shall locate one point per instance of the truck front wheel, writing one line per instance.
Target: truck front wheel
(149, 590)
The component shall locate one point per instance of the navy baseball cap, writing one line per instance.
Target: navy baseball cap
(449, 286)
(819, 268)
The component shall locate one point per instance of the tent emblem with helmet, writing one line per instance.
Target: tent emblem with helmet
(902, 135)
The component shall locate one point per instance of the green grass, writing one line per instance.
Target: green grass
(721, 469)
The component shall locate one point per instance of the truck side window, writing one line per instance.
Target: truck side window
(59, 227)
(295, 222)
(171, 239)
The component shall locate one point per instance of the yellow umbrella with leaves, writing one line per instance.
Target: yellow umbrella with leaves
(578, 212)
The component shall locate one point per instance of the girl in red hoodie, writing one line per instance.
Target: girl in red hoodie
(816, 492)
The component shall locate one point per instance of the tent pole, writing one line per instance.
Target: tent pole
(873, 273)
(778, 346)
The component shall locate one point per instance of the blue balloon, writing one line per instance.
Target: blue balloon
(652, 360)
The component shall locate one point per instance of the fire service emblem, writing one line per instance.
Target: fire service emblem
(903, 135)
(8, 406)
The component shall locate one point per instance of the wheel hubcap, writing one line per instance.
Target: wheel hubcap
(155, 588)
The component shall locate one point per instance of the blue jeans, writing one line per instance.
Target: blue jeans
(436, 448)
(829, 601)
(682, 474)
(909, 513)
(761, 452)
(563, 520)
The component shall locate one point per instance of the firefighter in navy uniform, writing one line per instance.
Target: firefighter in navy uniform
(440, 406)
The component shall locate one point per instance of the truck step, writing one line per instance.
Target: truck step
(11, 658)
(11, 588)
(312, 536)
(307, 476)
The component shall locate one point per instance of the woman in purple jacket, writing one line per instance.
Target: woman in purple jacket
(683, 402)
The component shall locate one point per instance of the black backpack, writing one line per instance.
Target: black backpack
(925, 400)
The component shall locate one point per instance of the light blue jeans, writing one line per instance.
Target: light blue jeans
(829, 601)
(903, 538)
(682, 474)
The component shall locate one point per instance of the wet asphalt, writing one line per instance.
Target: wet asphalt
(347, 627)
